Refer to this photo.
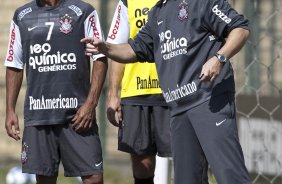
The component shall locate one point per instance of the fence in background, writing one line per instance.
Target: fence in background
(259, 85)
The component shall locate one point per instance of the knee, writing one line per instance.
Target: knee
(143, 166)
(46, 179)
(93, 179)
(149, 180)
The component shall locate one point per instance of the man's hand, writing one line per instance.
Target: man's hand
(12, 126)
(83, 119)
(210, 69)
(114, 113)
(93, 46)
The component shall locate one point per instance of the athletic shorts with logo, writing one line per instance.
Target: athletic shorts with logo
(208, 133)
(45, 146)
(145, 130)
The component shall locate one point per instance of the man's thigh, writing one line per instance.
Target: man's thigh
(81, 153)
(135, 133)
(190, 165)
(215, 125)
(160, 117)
(39, 151)
(45, 146)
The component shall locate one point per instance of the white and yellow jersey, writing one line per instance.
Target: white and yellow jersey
(139, 78)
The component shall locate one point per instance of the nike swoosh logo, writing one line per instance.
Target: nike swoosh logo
(31, 28)
(97, 165)
(159, 22)
(219, 123)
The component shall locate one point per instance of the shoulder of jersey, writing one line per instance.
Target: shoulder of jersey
(155, 8)
(84, 6)
(25, 9)
(30, 4)
(160, 2)
(124, 2)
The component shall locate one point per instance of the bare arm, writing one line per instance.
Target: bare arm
(14, 78)
(114, 114)
(84, 117)
(122, 53)
(235, 41)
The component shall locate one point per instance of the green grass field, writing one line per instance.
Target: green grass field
(111, 176)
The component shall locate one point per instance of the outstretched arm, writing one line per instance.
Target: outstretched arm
(14, 78)
(122, 53)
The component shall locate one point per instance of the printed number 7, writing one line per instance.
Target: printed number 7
(51, 24)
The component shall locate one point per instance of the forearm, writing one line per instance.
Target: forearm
(99, 71)
(14, 78)
(122, 53)
(235, 41)
(115, 78)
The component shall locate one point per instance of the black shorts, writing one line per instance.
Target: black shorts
(208, 132)
(43, 147)
(145, 130)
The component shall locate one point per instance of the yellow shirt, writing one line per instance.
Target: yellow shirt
(139, 78)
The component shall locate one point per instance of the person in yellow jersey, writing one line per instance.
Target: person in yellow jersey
(135, 103)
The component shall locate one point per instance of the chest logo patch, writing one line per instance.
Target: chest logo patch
(66, 26)
(183, 11)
